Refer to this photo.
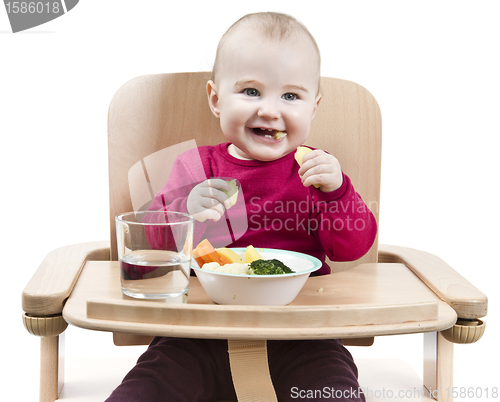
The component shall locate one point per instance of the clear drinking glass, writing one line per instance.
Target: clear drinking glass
(154, 251)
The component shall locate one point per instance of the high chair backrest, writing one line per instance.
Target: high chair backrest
(153, 118)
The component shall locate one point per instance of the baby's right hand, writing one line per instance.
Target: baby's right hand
(207, 201)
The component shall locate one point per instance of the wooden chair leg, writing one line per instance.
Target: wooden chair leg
(51, 332)
(51, 367)
(438, 367)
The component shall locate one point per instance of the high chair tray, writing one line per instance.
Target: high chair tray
(368, 300)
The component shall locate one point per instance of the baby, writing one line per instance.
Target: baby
(265, 90)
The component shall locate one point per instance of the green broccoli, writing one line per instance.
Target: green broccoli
(269, 267)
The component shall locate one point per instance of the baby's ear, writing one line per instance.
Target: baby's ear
(213, 98)
(316, 104)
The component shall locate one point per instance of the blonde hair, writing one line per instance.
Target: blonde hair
(272, 25)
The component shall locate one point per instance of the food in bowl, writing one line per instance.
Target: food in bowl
(235, 268)
(227, 261)
(263, 290)
(257, 267)
(205, 253)
(251, 254)
(269, 267)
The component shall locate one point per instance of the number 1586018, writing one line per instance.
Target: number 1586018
(24, 7)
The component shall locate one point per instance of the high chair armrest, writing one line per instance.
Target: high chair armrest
(468, 301)
(53, 281)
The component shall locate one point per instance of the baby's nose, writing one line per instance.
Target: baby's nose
(269, 110)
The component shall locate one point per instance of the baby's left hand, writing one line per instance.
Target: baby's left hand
(320, 168)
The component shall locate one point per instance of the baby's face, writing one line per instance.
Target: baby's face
(262, 87)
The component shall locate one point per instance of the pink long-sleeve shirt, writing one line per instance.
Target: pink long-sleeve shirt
(273, 208)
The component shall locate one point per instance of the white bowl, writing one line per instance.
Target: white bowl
(262, 290)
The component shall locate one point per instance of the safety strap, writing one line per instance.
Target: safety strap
(250, 371)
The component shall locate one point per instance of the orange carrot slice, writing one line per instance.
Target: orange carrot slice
(224, 260)
(197, 258)
(206, 252)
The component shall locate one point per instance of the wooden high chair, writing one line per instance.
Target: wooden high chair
(400, 290)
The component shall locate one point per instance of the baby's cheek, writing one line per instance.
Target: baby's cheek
(228, 127)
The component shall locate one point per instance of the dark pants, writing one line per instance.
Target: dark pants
(197, 370)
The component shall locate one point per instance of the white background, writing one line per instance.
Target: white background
(432, 65)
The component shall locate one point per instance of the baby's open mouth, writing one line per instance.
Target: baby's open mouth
(269, 133)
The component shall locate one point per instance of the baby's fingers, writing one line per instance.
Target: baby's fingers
(229, 190)
(314, 166)
(206, 200)
(316, 176)
(321, 170)
(206, 214)
(212, 190)
(218, 184)
(315, 158)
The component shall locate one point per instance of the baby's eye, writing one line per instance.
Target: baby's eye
(289, 96)
(251, 92)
